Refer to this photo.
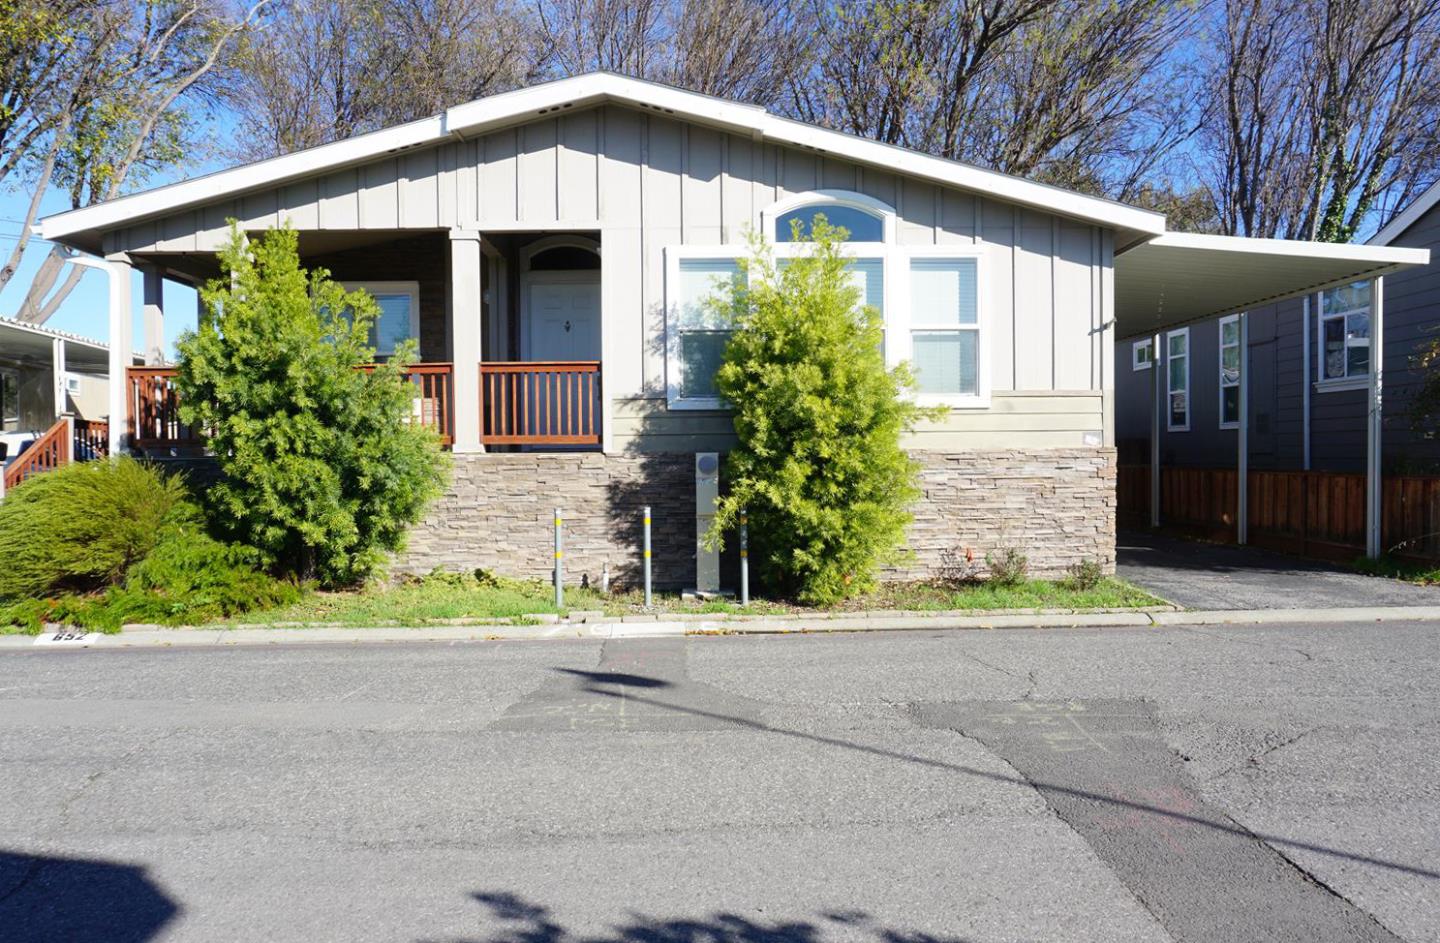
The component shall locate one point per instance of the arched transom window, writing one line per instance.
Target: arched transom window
(928, 296)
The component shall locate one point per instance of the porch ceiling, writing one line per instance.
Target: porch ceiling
(1181, 277)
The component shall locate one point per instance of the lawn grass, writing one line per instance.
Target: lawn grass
(450, 597)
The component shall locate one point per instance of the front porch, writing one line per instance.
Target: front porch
(552, 404)
(507, 327)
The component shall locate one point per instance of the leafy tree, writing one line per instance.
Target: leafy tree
(819, 417)
(322, 470)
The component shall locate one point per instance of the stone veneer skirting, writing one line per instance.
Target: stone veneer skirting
(1056, 505)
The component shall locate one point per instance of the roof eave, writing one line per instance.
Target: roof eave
(84, 228)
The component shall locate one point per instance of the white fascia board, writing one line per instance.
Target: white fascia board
(1340, 251)
(1407, 218)
(266, 173)
(506, 108)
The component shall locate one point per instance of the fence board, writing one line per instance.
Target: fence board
(1314, 513)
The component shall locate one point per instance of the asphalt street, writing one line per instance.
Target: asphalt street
(1251, 783)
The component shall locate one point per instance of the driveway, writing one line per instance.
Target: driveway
(1217, 576)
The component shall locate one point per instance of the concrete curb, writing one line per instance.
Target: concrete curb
(157, 637)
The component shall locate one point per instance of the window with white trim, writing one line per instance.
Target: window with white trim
(1229, 371)
(929, 299)
(1177, 379)
(1344, 333)
(860, 225)
(399, 317)
(945, 325)
(698, 327)
(1142, 353)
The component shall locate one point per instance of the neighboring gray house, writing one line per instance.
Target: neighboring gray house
(548, 247)
(1310, 361)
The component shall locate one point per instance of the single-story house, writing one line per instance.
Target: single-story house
(548, 246)
(1309, 359)
(46, 374)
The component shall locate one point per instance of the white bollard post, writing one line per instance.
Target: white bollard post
(744, 557)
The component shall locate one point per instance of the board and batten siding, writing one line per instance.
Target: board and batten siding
(645, 181)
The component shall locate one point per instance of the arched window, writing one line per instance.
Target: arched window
(860, 225)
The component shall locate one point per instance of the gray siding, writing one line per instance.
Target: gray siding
(1337, 417)
(646, 181)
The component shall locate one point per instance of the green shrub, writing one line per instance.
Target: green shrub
(1008, 566)
(81, 527)
(190, 578)
(322, 470)
(1085, 575)
(819, 418)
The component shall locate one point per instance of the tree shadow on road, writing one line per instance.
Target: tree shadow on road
(79, 900)
(524, 921)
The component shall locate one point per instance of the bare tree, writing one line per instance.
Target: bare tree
(1326, 113)
(746, 50)
(102, 93)
(624, 36)
(1066, 90)
(321, 70)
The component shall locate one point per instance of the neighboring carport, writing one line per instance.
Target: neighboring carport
(1179, 278)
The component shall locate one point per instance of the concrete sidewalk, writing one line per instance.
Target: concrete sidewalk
(613, 628)
(1207, 576)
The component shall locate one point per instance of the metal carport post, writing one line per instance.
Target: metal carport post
(1374, 505)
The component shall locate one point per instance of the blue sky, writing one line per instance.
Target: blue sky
(85, 312)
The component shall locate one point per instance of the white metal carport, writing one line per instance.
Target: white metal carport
(1178, 278)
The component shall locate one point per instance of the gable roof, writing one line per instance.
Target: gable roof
(1407, 217)
(81, 227)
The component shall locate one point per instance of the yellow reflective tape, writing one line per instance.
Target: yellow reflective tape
(647, 521)
(744, 554)
(558, 554)
(647, 553)
(558, 522)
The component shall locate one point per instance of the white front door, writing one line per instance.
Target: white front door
(564, 316)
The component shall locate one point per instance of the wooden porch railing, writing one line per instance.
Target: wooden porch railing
(154, 410)
(91, 440)
(155, 419)
(540, 403)
(433, 404)
(49, 452)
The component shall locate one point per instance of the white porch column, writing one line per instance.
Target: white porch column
(1157, 363)
(467, 348)
(1242, 438)
(1373, 501)
(57, 375)
(153, 318)
(122, 342)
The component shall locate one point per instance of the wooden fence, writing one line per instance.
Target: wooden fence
(1320, 514)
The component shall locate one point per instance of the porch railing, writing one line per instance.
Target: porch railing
(435, 397)
(48, 453)
(540, 403)
(154, 410)
(91, 440)
(154, 418)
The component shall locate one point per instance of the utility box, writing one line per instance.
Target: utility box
(707, 495)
